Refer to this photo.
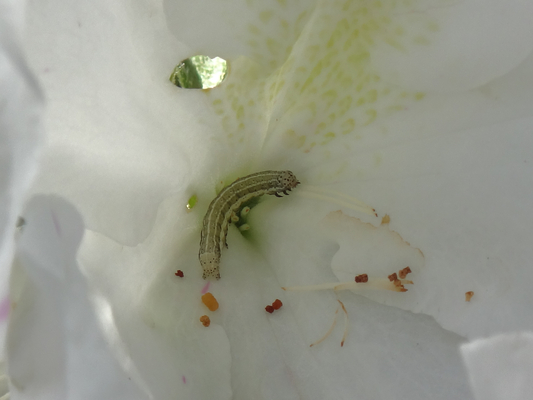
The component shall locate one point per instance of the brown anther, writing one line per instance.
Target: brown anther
(277, 304)
(398, 283)
(204, 319)
(363, 278)
(269, 309)
(393, 277)
(468, 295)
(403, 273)
(179, 273)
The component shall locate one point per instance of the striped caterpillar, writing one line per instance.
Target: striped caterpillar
(228, 201)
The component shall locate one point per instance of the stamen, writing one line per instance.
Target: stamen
(234, 218)
(245, 211)
(315, 192)
(403, 273)
(336, 197)
(373, 283)
(204, 319)
(244, 227)
(328, 332)
(345, 322)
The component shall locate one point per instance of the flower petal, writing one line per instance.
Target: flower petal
(122, 137)
(386, 353)
(20, 137)
(157, 314)
(55, 341)
(465, 45)
(467, 209)
(501, 367)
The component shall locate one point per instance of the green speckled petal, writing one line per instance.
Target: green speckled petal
(320, 82)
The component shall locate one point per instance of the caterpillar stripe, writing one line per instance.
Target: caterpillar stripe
(229, 200)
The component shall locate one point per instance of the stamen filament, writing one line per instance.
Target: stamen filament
(356, 206)
(339, 198)
(373, 283)
(345, 322)
(328, 332)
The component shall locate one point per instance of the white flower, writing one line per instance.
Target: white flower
(421, 109)
(20, 139)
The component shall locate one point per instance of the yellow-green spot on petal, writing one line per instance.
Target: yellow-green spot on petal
(265, 16)
(348, 126)
(192, 202)
(199, 72)
(253, 29)
(419, 96)
(372, 96)
(240, 112)
(372, 114)
(344, 105)
(292, 140)
(272, 45)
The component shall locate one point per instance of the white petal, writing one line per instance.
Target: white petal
(122, 137)
(501, 367)
(464, 204)
(20, 137)
(55, 346)
(156, 313)
(388, 353)
(466, 45)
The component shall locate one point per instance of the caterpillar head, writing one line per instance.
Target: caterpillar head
(287, 180)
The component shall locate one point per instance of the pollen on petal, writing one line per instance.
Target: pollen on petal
(204, 319)
(385, 219)
(179, 273)
(210, 302)
(269, 309)
(393, 277)
(468, 295)
(363, 278)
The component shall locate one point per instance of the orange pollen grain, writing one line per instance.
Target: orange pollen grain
(204, 319)
(403, 273)
(363, 278)
(468, 295)
(393, 277)
(210, 302)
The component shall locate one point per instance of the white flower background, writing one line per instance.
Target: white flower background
(422, 109)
